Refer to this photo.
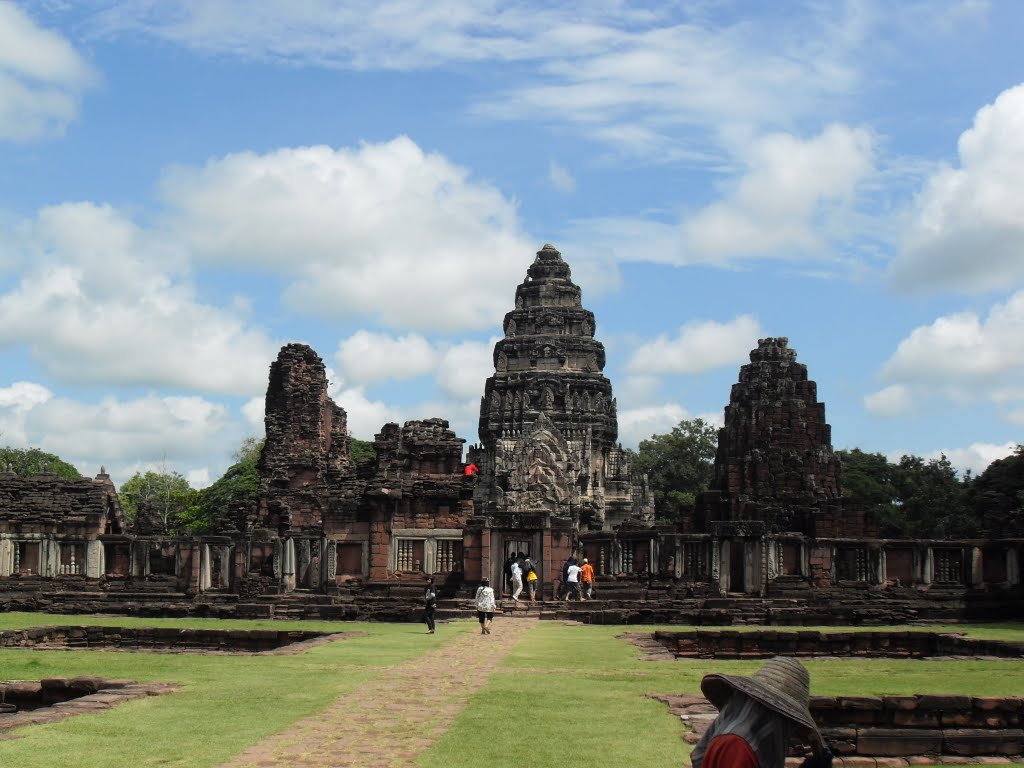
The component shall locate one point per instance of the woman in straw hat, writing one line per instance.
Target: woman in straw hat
(756, 717)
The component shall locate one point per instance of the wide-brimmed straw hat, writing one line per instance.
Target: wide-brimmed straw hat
(782, 684)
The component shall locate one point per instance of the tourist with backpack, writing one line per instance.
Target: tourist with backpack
(532, 579)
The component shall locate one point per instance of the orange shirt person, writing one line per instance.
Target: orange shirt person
(587, 577)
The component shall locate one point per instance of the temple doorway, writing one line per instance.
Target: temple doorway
(737, 563)
(511, 545)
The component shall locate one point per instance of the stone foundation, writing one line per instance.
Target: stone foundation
(30, 702)
(732, 644)
(170, 639)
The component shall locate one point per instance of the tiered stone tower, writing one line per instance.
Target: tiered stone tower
(775, 460)
(547, 418)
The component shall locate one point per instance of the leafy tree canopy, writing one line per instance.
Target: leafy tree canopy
(29, 461)
(155, 502)
(239, 486)
(362, 449)
(915, 498)
(997, 496)
(678, 465)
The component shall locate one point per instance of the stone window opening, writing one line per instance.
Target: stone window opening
(163, 560)
(948, 566)
(349, 559)
(449, 556)
(409, 555)
(627, 559)
(72, 558)
(26, 558)
(695, 560)
(852, 564)
(788, 558)
(261, 559)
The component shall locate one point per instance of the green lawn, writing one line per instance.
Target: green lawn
(565, 693)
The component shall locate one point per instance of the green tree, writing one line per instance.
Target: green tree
(678, 465)
(869, 482)
(249, 451)
(915, 498)
(362, 449)
(29, 461)
(997, 497)
(238, 486)
(156, 502)
(933, 499)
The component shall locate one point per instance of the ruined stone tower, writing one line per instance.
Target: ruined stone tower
(547, 418)
(306, 465)
(775, 460)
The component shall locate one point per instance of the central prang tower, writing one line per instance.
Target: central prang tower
(548, 425)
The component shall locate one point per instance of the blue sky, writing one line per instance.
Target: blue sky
(186, 186)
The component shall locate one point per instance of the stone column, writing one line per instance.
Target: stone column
(6, 556)
(928, 570)
(977, 574)
(679, 560)
(429, 556)
(653, 557)
(716, 563)
(93, 559)
(881, 565)
(288, 565)
(226, 581)
(49, 554)
(205, 579)
(1012, 567)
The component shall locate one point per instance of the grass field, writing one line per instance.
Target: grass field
(563, 694)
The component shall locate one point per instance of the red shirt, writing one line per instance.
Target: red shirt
(470, 470)
(729, 751)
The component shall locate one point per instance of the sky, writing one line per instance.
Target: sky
(185, 186)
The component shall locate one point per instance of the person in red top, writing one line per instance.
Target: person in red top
(471, 470)
(756, 717)
(587, 577)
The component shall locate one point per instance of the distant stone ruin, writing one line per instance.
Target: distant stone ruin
(772, 541)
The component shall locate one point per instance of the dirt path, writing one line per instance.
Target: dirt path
(388, 722)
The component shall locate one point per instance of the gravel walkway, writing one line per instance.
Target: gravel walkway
(389, 721)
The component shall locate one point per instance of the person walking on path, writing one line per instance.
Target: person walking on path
(572, 579)
(485, 605)
(756, 717)
(517, 580)
(532, 579)
(587, 577)
(429, 606)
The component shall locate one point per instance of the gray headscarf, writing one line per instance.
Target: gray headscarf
(766, 731)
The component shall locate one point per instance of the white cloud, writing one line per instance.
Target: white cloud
(894, 400)
(41, 77)
(367, 357)
(101, 305)
(699, 346)
(782, 202)
(649, 81)
(365, 416)
(963, 347)
(186, 434)
(386, 230)
(464, 367)
(561, 179)
(636, 424)
(253, 411)
(967, 229)
(976, 457)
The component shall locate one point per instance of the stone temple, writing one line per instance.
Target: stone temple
(550, 468)
(772, 541)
